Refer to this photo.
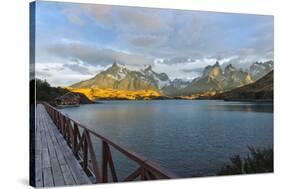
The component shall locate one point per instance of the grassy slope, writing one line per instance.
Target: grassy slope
(98, 93)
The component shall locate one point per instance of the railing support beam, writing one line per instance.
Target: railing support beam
(83, 150)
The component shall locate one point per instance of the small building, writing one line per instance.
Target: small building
(68, 99)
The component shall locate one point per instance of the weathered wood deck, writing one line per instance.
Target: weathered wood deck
(55, 163)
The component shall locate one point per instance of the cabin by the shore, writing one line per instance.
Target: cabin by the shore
(68, 99)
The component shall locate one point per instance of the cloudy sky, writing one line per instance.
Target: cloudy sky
(76, 41)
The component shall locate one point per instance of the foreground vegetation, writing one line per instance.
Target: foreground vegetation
(46, 93)
(258, 161)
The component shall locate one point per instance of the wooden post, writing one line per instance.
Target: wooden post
(56, 122)
(85, 155)
(67, 134)
(111, 166)
(104, 161)
(93, 158)
(142, 174)
(75, 138)
(64, 126)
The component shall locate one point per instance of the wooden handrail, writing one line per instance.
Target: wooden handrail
(78, 138)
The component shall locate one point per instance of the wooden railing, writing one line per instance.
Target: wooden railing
(79, 138)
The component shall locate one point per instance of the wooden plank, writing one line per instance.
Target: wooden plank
(38, 154)
(76, 170)
(45, 158)
(38, 163)
(48, 179)
(59, 154)
(57, 174)
(56, 164)
(38, 142)
(67, 175)
(43, 135)
(56, 170)
(38, 169)
(78, 173)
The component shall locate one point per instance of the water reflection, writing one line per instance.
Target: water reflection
(242, 107)
(182, 136)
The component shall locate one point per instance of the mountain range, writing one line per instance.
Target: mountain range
(214, 79)
(261, 89)
(119, 77)
(260, 69)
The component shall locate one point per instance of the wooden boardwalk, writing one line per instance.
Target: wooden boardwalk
(55, 162)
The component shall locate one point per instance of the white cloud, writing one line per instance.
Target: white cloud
(179, 43)
(58, 74)
(96, 56)
(190, 69)
(183, 70)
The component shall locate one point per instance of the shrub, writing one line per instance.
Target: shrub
(257, 161)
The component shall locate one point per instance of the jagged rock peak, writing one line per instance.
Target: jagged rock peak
(147, 68)
(114, 64)
(260, 69)
(212, 71)
(229, 68)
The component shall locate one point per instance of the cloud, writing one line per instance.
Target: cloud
(62, 74)
(187, 70)
(78, 66)
(176, 60)
(245, 57)
(178, 33)
(80, 58)
(73, 15)
(114, 16)
(99, 13)
(180, 43)
(96, 56)
(142, 19)
(145, 41)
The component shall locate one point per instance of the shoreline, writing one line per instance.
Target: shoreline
(100, 101)
(250, 100)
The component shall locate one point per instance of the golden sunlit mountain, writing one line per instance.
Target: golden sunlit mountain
(96, 93)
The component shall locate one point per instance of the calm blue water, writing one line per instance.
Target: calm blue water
(190, 138)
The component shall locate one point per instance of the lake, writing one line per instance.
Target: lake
(188, 137)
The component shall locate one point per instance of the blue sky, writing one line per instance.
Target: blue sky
(76, 41)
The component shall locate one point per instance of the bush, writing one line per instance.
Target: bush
(258, 161)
